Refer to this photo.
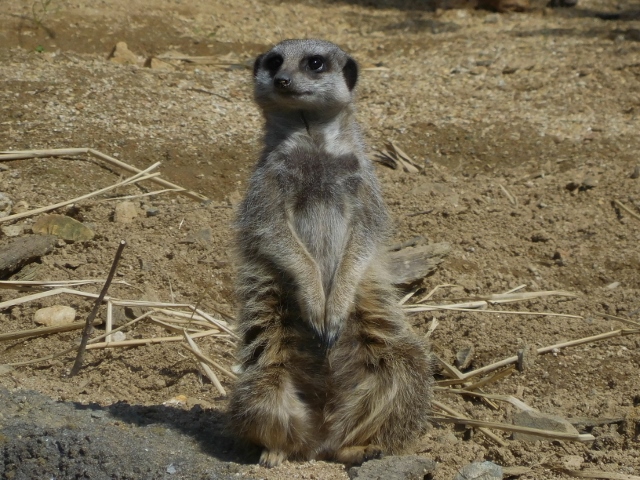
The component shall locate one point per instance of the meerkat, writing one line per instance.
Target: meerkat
(329, 367)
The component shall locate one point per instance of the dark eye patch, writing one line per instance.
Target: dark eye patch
(273, 63)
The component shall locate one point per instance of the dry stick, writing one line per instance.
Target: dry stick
(140, 195)
(572, 343)
(627, 321)
(488, 433)
(136, 178)
(55, 152)
(513, 290)
(576, 437)
(32, 284)
(173, 328)
(430, 308)
(493, 378)
(407, 297)
(216, 323)
(88, 328)
(178, 322)
(436, 288)
(207, 369)
(503, 398)
(149, 341)
(28, 298)
(109, 323)
(593, 473)
(512, 199)
(627, 209)
(58, 152)
(36, 332)
(211, 362)
(72, 349)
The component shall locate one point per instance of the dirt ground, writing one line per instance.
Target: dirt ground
(527, 129)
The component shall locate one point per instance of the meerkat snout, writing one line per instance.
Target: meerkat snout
(282, 81)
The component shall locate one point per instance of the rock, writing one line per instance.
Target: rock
(122, 55)
(20, 207)
(561, 257)
(572, 462)
(505, 5)
(55, 316)
(414, 263)
(157, 64)
(464, 357)
(447, 438)
(125, 212)
(5, 205)
(571, 186)
(63, 227)
(588, 183)
(152, 211)
(13, 230)
(203, 237)
(23, 251)
(540, 236)
(527, 357)
(118, 337)
(636, 173)
(401, 467)
(480, 471)
(543, 421)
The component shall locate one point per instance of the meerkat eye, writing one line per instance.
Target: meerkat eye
(316, 63)
(273, 63)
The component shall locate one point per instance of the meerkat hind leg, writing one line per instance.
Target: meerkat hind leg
(272, 458)
(382, 378)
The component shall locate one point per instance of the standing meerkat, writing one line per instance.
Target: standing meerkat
(330, 369)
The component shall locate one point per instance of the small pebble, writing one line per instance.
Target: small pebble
(55, 315)
(480, 471)
(125, 212)
(5, 205)
(13, 230)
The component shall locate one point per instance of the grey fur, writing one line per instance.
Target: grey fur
(330, 367)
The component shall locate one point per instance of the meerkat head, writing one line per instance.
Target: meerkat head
(306, 75)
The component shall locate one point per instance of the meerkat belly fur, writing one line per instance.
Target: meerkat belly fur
(330, 369)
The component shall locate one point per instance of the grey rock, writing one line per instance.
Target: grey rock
(12, 230)
(152, 211)
(125, 212)
(464, 357)
(542, 421)
(5, 205)
(63, 227)
(401, 467)
(527, 357)
(480, 471)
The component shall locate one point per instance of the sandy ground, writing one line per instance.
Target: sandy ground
(527, 130)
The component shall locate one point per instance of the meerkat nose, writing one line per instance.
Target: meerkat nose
(282, 81)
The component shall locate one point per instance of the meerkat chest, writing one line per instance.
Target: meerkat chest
(324, 195)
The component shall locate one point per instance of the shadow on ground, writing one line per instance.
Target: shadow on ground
(42, 438)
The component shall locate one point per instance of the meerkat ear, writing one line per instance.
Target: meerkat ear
(256, 65)
(350, 73)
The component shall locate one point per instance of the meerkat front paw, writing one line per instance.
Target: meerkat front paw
(312, 304)
(337, 313)
(272, 458)
(358, 455)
